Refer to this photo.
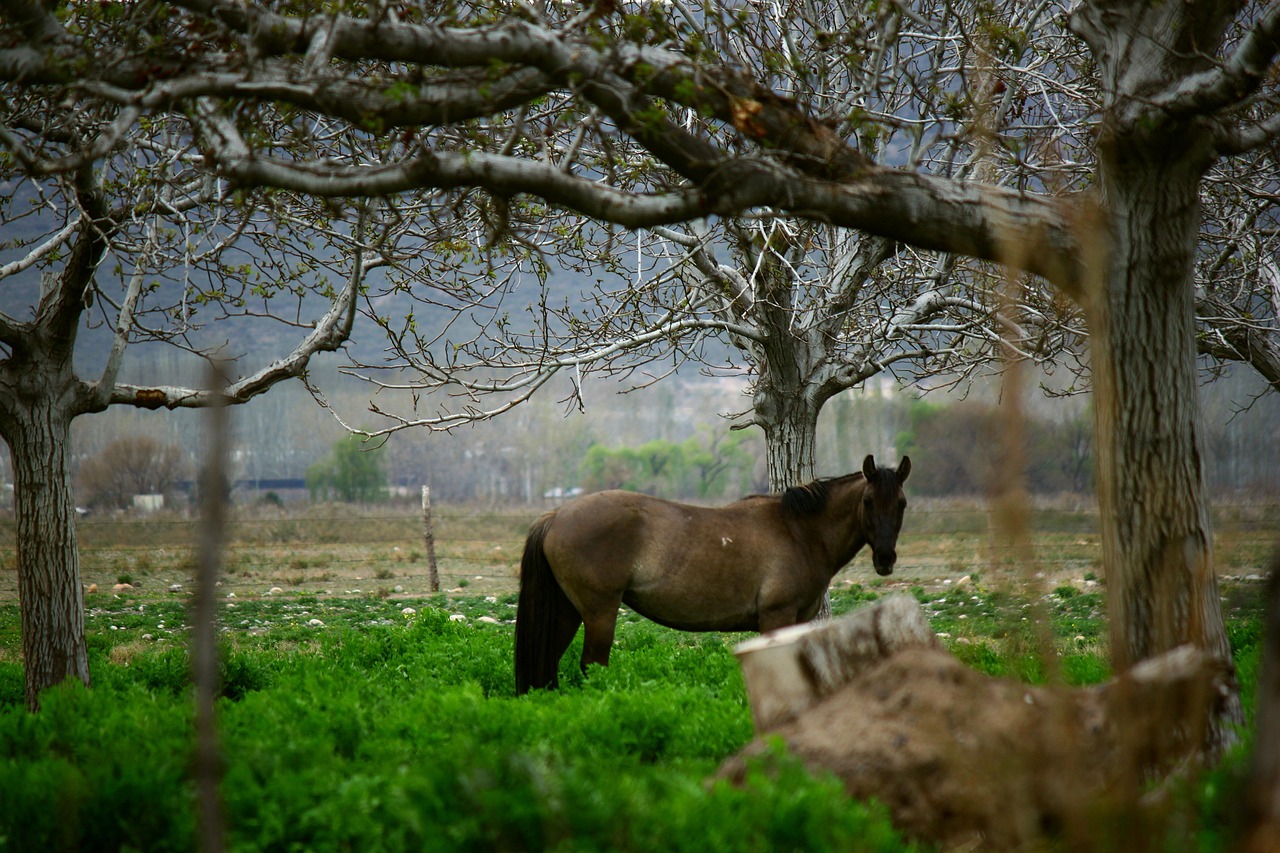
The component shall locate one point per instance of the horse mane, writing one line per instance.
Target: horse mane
(811, 498)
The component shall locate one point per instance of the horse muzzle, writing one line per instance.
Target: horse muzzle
(884, 561)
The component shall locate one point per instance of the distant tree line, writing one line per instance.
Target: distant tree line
(708, 465)
(669, 441)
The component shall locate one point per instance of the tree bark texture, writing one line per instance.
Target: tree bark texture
(790, 425)
(49, 591)
(1156, 539)
(1161, 580)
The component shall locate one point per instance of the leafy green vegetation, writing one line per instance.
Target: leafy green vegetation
(371, 723)
(386, 730)
(352, 472)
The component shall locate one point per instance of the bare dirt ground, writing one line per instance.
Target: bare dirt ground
(340, 552)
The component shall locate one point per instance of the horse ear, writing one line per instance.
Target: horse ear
(904, 468)
(869, 467)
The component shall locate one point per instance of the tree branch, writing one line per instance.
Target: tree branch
(328, 334)
(1227, 85)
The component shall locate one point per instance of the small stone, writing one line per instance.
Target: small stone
(146, 636)
(408, 611)
(398, 588)
(275, 590)
(315, 623)
(175, 587)
(122, 587)
(457, 617)
(488, 620)
(93, 587)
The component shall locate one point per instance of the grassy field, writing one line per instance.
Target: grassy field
(362, 712)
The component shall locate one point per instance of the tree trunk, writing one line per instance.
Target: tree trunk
(1162, 590)
(1156, 540)
(790, 429)
(49, 591)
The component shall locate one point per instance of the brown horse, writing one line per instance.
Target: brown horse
(755, 565)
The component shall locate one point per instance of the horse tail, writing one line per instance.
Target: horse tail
(541, 606)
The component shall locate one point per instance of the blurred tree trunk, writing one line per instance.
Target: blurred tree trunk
(1262, 806)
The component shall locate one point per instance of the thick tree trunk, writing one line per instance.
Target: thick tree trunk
(790, 430)
(1157, 545)
(1156, 539)
(49, 590)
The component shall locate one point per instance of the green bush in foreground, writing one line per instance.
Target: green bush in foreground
(409, 738)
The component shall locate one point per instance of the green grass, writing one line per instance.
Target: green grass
(349, 724)
(381, 731)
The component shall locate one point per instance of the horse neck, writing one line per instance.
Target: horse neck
(840, 524)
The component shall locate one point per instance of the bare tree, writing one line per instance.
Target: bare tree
(464, 98)
(134, 465)
(134, 244)
(809, 309)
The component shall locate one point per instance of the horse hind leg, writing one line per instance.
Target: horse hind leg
(597, 640)
(563, 629)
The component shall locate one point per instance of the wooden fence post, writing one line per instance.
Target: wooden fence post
(429, 534)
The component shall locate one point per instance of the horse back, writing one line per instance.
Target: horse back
(690, 567)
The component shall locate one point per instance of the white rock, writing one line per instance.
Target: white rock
(275, 590)
(398, 588)
(408, 611)
(315, 623)
(488, 620)
(457, 617)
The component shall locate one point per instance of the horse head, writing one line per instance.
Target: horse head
(883, 504)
